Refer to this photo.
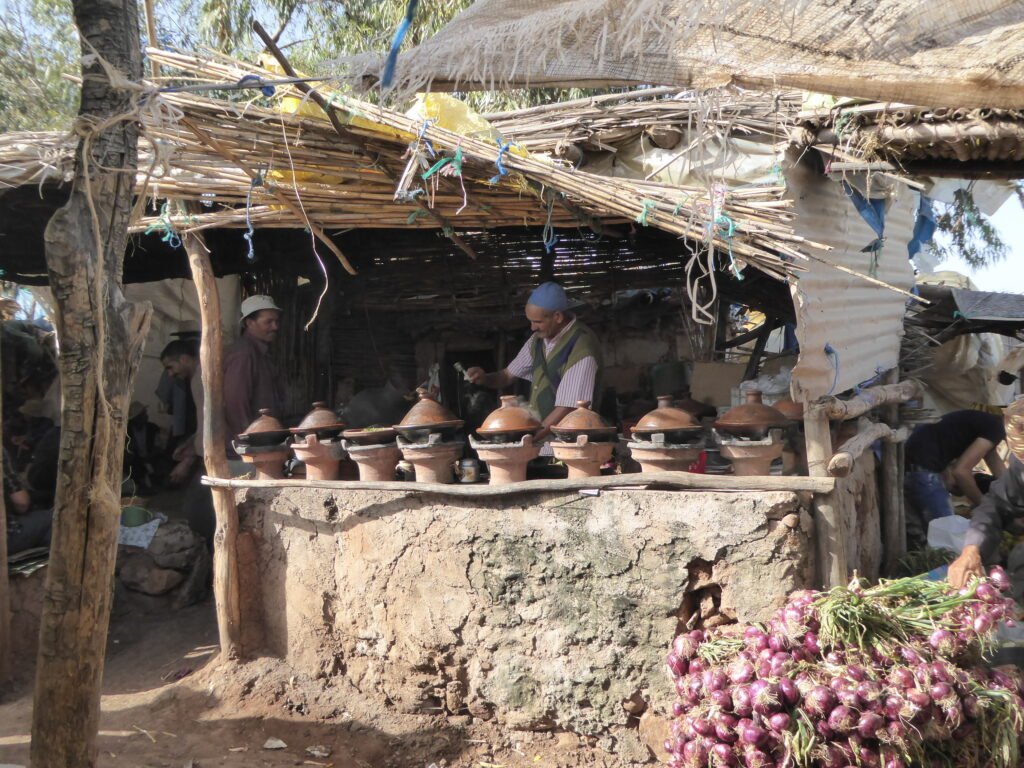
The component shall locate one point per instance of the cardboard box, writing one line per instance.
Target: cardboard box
(713, 383)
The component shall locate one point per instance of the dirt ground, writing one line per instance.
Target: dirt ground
(168, 704)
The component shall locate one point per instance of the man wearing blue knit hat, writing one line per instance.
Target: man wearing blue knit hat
(561, 360)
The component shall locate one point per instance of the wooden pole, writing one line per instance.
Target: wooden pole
(830, 537)
(871, 398)
(211, 361)
(868, 432)
(154, 68)
(101, 340)
(894, 528)
(674, 480)
(5, 594)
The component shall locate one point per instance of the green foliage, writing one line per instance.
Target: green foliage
(969, 233)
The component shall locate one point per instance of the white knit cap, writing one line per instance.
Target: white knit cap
(256, 303)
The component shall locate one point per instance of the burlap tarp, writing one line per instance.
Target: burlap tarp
(949, 53)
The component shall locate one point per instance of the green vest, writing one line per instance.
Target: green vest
(547, 372)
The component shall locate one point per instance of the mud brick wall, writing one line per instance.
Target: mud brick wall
(540, 610)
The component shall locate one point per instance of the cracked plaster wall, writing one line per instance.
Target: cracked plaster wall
(542, 610)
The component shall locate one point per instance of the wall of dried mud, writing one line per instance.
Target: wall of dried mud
(540, 610)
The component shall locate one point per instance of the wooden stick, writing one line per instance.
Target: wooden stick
(829, 532)
(673, 480)
(225, 540)
(868, 432)
(869, 399)
(333, 117)
(228, 155)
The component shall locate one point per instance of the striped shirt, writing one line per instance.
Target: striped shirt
(577, 382)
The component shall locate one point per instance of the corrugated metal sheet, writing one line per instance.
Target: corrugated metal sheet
(860, 322)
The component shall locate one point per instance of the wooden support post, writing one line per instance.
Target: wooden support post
(763, 334)
(894, 527)
(211, 361)
(871, 398)
(101, 341)
(830, 536)
(5, 594)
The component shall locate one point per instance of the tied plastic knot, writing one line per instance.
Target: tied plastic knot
(421, 136)
(257, 181)
(255, 81)
(550, 239)
(645, 211)
(503, 147)
(724, 227)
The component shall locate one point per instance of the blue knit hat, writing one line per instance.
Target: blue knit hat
(549, 296)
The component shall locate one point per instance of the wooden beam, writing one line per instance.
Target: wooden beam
(211, 360)
(764, 332)
(318, 98)
(869, 399)
(230, 156)
(829, 534)
(647, 480)
(868, 432)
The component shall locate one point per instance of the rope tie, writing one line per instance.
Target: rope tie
(256, 81)
(388, 77)
(164, 224)
(724, 227)
(503, 147)
(648, 207)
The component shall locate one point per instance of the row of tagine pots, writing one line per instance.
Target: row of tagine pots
(669, 438)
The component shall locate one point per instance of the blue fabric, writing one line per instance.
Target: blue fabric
(549, 296)
(927, 499)
(924, 226)
(871, 210)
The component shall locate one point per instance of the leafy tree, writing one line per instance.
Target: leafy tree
(969, 233)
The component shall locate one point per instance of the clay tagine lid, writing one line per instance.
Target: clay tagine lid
(509, 418)
(428, 414)
(668, 419)
(751, 419)
(265, 430)
(582, 421)
(789, 408)
(321, 420)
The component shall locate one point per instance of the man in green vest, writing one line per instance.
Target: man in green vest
(561, 360)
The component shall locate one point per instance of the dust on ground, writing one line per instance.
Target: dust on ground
(168, 703)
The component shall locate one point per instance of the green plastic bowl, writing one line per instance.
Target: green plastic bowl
(133, 516)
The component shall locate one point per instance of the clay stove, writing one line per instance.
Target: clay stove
(506, 441)
(585, 441)
(426, 438)
(374, 451)
(750, 435)
(668, 439)
(263, 445)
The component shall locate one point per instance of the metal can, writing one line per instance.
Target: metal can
(469, 471)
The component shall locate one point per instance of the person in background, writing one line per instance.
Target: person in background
(250, 380)
(561, 360)
(955, 444)
(27, 528)
(180, 360)
(1002, 509)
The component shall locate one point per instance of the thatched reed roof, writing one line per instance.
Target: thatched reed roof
(253, 163)
(957, 52)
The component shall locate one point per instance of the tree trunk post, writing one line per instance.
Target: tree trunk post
(894, 529)
(101, 339)
(830, 538)
(211, 360)
(5, 585)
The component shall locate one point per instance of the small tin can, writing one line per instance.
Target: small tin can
(469, 471)
(405, 471)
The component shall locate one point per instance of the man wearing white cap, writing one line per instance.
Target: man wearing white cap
(561, 360)
(250, 381)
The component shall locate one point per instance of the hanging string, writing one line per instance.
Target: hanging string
(725, 228)
(396, 42)
(549, 236)
(257, 181)
(833, 357)
(164, 224)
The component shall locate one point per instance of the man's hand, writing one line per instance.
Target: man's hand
(20, 502)
(965, 567)
(181, 470)
(476, 375)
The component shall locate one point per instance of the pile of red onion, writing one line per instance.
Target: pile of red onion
(889, 676)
